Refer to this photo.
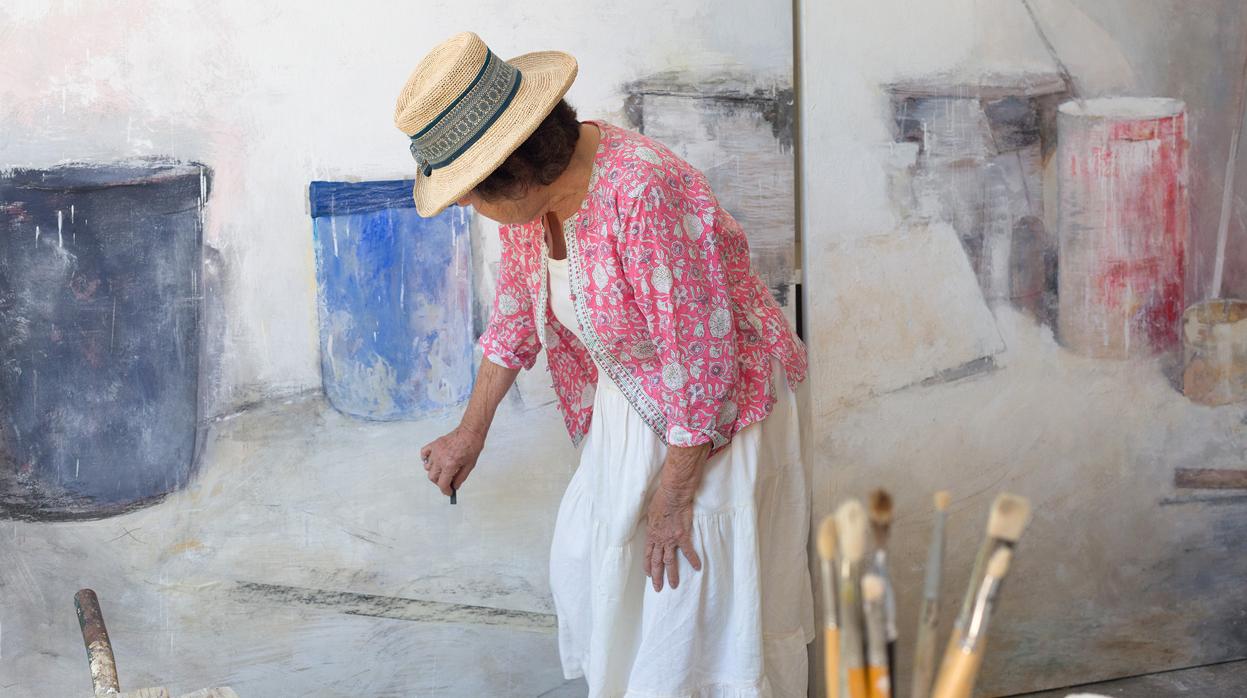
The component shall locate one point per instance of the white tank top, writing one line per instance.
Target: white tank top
(561, 304)
(561, 296)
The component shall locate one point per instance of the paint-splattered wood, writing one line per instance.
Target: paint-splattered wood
(1210, 479)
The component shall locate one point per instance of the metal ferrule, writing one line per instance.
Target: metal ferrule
(829, 594)
(935, 555)
(982, 613)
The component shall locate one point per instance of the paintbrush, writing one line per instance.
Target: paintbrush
(1009, 516)
(961, 665)
(831, 628)
(851, 532)
(874, 600)
(880, 525)
(928, 617)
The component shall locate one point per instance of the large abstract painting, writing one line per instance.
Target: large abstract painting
(225, 334)
(1032, 239)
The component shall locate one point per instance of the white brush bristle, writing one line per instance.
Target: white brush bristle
(851, 530)
(1010, 514)
(872, 587)
(999, 565)
(827, 538)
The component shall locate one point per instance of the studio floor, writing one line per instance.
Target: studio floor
(290, 566)
(1216, 681)
(311, 557)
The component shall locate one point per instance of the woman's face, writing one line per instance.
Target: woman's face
(507, 211)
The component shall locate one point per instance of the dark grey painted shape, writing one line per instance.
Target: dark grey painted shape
(99, 335)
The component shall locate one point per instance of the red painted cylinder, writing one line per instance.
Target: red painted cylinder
(1123, 221)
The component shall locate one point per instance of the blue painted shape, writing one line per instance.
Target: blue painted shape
(342, 198)
(395, 300)
(100, 271)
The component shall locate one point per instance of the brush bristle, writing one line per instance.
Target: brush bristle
(942, 499)
(827, 538)
(872, 587)
(880, 507)
(999, 564)
(1010, 514)
(851, 530)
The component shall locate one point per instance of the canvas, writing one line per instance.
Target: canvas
(231, 458)
(1042, 350)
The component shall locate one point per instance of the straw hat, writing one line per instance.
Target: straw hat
(466, 110)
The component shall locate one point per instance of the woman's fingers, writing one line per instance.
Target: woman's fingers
(656, 567)
(460, 476)
(649, 549)
(445, 478)
(693, 558)
(673, 569)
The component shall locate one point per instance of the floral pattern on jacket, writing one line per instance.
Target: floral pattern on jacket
(665, 296)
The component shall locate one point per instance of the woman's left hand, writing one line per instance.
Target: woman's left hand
(670, 529)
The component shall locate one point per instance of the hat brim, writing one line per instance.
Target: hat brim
(547, 75)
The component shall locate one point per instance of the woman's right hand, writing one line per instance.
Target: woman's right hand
(452, 457)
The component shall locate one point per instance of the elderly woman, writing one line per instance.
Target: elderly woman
(670, 360)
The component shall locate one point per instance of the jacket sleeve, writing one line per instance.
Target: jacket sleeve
(680, 283)
(510, 340)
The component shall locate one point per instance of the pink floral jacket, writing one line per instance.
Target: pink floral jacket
(664, 293)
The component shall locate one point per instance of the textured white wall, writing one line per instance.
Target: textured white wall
(274, 94)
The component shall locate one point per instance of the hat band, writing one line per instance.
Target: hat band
(468, 117)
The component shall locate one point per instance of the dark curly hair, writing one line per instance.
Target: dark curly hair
(539, 160)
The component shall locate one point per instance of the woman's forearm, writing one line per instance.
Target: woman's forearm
(681, 471)
(492, 383)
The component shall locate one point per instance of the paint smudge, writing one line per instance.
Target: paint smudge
(397, 607)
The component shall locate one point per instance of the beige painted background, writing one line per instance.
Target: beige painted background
(1120, 573)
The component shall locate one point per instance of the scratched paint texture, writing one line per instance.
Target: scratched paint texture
(395, 298)
(1123, 571)
(99, 355)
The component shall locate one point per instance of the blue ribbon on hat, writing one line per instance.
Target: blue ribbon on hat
(467, 118)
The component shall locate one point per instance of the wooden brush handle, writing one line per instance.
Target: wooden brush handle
(858, 685)
(891, 666)
(953, 648)
(924, 660)
(831, 654)
(958, 674)
(972, 589)
(877, 682)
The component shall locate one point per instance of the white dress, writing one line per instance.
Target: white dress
(736, 629)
